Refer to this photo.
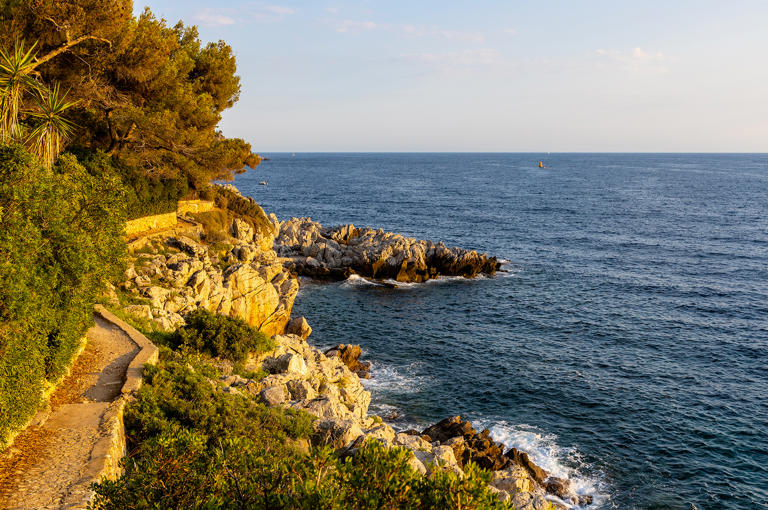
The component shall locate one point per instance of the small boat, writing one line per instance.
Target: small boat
(263, 183)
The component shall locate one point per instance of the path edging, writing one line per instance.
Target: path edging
(111, 447)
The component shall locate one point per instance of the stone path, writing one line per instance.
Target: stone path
(48, 464)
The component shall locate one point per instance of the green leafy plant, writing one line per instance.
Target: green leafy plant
(218, 335)
(52, 128)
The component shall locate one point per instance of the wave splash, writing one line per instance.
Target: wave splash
(544, 451)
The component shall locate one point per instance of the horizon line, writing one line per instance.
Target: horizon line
(512, 152)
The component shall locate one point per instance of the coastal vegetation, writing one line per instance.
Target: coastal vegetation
(195, 446)
(136, 104)
(59, 246)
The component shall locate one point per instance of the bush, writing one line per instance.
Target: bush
(59, 244)
(245, 208)
(218, 335)
(144, 195)
(196, 447)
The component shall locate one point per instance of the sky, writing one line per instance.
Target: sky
(492, 75)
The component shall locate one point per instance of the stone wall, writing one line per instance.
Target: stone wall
(194, 206)
(147, 223)
(167, 220)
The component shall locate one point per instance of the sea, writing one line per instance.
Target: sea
(625, 343)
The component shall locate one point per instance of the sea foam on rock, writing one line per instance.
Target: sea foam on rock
(336, 253)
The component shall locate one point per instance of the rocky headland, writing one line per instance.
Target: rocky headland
(242, 274)
(335, 253)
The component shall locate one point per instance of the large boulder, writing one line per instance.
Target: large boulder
(522, 459)
(299, 327)
(350, 355)
(336, 432)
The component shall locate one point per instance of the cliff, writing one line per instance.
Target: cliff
(239, 276)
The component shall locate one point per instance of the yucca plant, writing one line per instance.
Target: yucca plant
(51, 129)
(16, 77)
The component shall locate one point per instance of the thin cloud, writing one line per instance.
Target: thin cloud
(463, 58)
(212, 18)
(353, 26)
(347, 26)
(636, 60)
(279, 10)
(230, 16)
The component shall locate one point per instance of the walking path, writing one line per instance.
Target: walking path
(52, 465)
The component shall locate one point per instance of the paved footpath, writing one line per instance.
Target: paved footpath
(48, 465)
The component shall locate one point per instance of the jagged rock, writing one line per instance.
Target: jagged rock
(417, 465)
(335, 253)
(301, 390)
(350, 355)
(477, 447)
(187, 245)
(383, 432)
(299, 327)
(512, 479)
(273, 396)
(413, 442)
(522, 459)
(139, 311)
(336, 433)
(241, 230)
(287, 363)
(559, 487)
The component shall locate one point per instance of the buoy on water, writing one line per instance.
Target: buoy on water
(541, 164)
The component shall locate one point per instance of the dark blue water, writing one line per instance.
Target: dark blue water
(626, 347)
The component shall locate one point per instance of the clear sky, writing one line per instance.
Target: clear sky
(493, 75)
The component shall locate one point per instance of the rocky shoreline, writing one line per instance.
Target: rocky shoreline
(243, 276)
(336, 253)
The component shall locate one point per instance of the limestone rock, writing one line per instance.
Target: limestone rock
(350, 355)
(522, 459)
(289, 363)
(139, 311)
(241, 230)
(336, 433)
(273, 396)
(477, 447)
(512, 480)
(299, 327)
(335, 253)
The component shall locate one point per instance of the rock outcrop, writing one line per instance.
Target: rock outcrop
(350, 355)
(336, 253)
(244, 281)
(303, 377)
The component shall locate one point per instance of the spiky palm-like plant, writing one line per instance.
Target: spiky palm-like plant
(16, 77)
(46, 138)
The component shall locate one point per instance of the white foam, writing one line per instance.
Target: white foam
(394, 379)
(508, 269)
(355, 280)
(546, 453)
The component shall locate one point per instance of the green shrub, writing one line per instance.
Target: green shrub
(244, 207)
(145, 195)
(218, 335)
(59, 244)
(196, 447)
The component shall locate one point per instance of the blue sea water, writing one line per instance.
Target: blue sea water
(626, 345)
